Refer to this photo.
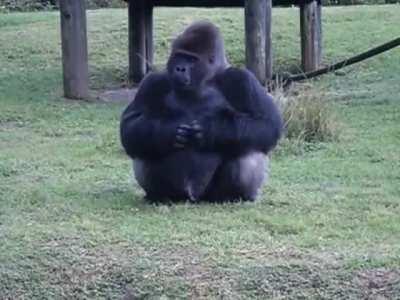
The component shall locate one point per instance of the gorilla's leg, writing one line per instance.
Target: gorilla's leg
(182, 175)
(148, 177)
(239, 179)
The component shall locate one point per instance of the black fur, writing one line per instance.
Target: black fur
(200, 130)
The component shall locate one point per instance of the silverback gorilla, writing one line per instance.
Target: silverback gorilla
(200, 130)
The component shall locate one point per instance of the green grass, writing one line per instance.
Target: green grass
(74, 225)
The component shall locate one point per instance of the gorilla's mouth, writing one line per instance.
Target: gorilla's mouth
(183, 83)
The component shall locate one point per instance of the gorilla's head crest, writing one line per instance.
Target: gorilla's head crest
(203, 39)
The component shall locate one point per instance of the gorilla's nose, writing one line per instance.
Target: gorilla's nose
(182, 74)
(180, 69)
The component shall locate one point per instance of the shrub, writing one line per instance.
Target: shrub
(26, 5)
(307, 114)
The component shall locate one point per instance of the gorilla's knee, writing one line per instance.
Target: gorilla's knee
(252, 170)
(141, 172)
(240, 178)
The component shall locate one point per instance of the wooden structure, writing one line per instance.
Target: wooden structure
(74, 49)
(258, 19)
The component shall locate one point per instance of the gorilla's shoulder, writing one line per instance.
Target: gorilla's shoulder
(152, 92)
(236, 83)
(235, 77)
(155, 82)
(235, 72)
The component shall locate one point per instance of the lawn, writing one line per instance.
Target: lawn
(74, 225)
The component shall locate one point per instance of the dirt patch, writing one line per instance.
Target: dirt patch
(295, 281)
(75, 268)
(379, 283)
(180, 271)
(132, 271)
(118, 96)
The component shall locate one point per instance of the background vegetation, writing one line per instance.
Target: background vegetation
(74, 225)
(29, 5)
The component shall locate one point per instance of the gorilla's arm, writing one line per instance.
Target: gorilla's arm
(145, 132)
(253, 123)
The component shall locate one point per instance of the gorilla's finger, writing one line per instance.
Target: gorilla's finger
(178, 145)
(194, 123)
(199, 135)
(183, 132)
(184, 126)
(181, 139)
(197, 128)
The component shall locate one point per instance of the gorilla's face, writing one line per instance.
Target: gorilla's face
(187, 72)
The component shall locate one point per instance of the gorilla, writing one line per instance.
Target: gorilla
(200, 130)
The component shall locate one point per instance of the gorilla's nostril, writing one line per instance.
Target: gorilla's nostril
(180, 69)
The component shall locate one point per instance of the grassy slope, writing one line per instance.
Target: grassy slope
(73, 225)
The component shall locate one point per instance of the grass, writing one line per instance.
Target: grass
(74, 225)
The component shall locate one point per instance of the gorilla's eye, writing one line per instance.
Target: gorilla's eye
(211, 60)
(192, 59)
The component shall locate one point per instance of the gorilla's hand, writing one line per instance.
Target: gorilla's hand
(189, 135)
(197, 133)
(182, 136)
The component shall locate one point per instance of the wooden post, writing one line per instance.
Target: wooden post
(137, 40)
(149, 36)
(319, 20)
(74, 49)
(309, 27)
(268, 41)
(255, 27)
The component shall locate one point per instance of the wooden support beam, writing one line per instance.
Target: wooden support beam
(215, 3)
(74, 49)
(268, 41)
(310, 31)
(199, 3)
(319, 20)
(137, 40)
(149, 37)
(255, 27)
